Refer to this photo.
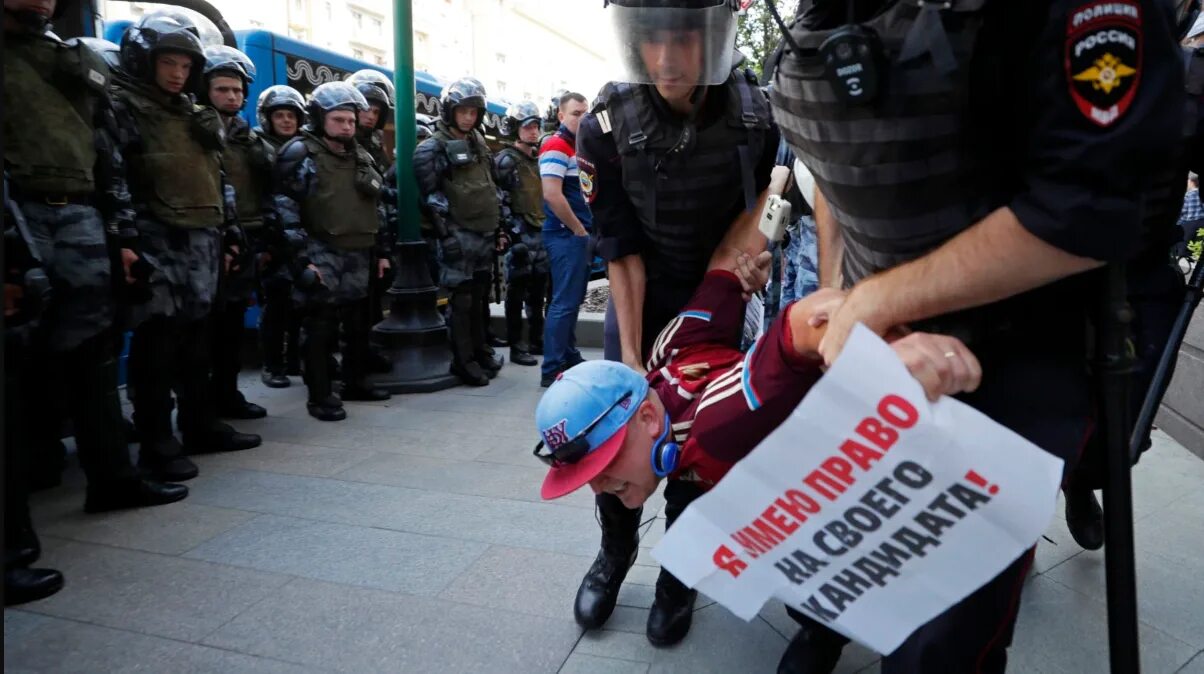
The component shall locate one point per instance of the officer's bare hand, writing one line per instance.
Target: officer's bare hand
(635, 363)
(753, 272)
(128, 258)
(382, 266)
(231, 256)
(821, 305)
(942, 364)
(316, 272)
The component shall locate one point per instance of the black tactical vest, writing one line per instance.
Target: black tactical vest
(50, 95)
(902, 174)
(676, 191)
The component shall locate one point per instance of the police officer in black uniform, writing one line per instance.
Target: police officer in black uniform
(517, 170)
(670, 156)
(65, 183)
(187, 233)
(461, 208)
(280, 112)
(335, 228)
(378, 91)
(248, 161)
(987, 158)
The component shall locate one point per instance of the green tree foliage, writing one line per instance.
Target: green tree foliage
(757, 34)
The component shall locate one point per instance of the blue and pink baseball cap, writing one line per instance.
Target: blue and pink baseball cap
(583, 418)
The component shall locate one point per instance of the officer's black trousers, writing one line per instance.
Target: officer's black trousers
(525, 290)
(171, 353)
(226, 345)
(356, 320)
(460, 312)
(319, 337)
(82, 385)
(279, 328)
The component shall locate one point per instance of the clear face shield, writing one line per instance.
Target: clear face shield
(674, 47)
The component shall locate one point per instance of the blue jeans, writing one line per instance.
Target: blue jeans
(568, 257)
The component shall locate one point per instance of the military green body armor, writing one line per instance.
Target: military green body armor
(247, 169)
(471, 193)
(49, 148)
(373, 141)
(174, 175)
(342, 210)
(526, 201)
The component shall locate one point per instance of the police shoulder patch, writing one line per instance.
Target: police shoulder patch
(1103, 58)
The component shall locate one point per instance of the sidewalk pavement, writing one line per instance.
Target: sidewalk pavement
(411, 538)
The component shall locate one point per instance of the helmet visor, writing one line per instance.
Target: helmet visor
(674, 46)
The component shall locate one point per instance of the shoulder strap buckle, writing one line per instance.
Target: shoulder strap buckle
(637, 139)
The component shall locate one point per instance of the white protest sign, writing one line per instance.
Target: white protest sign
(869, 509)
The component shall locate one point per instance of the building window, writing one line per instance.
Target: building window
(297, 33)
(501, 87)
(329, 12)
(358, 53)
(380, 59)
(299, 5)
(256, 24)
(420, 39)
(378, 26)
(501, 59)
(358, 18)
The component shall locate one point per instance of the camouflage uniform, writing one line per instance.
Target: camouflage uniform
(461, 201)
(64, 166)
(334, 225)
(527, 260)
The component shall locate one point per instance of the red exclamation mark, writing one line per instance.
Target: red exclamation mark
(981, 482)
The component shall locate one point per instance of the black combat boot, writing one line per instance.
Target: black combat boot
(519, 355)
(137, 492)
(482, 351)
(23, 585)
(1084, 517)
(672, 611)
(329, 408)
(620, 544)
(236, 406)
(160, 454)
(459, 323)
(219, 437)
(814, 649)
(357, 355)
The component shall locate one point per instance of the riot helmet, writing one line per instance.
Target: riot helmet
(464, 92)
(277, 97)
(154, 34)
(424, 126)
(377, 89)
(675, 42)
(223, 61)
(551, 120)
(518, 116)
(329, 97)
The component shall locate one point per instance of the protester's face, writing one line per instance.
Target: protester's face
(630, 475)
(284, 122)
(172, 70)
(369, 117)
(570, 115)
(340, 124)
(227, 94)
(674, 62)
(466, 118)
(529, 133)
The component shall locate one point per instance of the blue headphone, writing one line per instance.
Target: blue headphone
(665, 452)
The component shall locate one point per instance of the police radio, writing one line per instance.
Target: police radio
(850, 57)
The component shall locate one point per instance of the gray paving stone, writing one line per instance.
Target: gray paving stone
(149, 593)
(721, 642)
(1050, 554)
(474, 478)
(67, 647)
(614, 644)
(580, 663)
(521, 580)
(1196, 666)
(628, 619)
(288, 458)
(357, 630)
(498, 521)
(19, 624)
(1165, 474)
(1060, 630)
(1169, 594)
(638, 596)
(170, 530)
(340, 553)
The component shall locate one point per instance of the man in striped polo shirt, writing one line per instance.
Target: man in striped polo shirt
(566, 238)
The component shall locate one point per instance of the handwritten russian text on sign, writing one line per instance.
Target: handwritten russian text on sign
(869, 508)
